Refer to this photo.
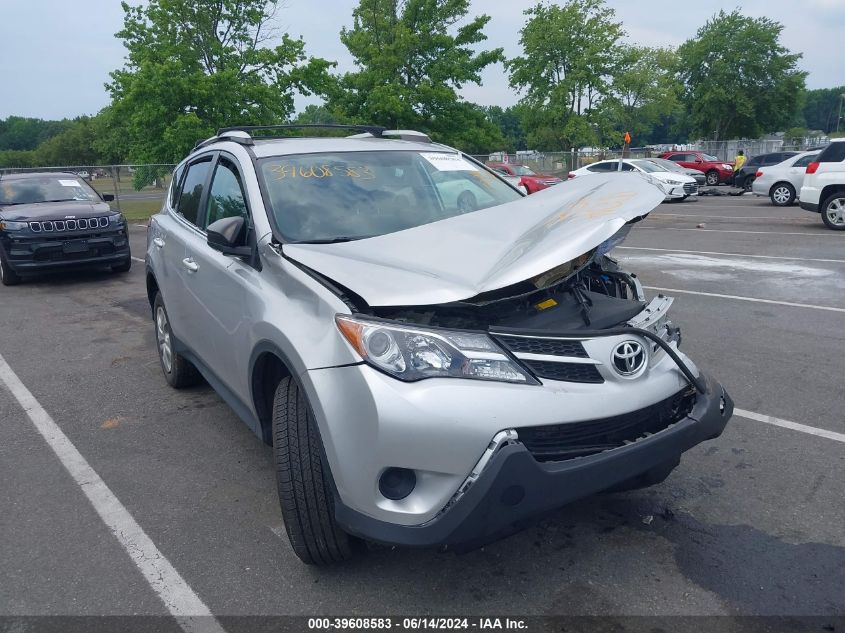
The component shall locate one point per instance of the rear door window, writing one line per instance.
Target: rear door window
(192, 189)
(806, 160)
(174, 185)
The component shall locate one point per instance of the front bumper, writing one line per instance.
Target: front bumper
(513, 489)
(27, 253)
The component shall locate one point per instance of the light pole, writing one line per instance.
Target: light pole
(839, 118)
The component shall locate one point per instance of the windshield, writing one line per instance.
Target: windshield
(710, 158)
(353, 195)
(668, 165)
(522, 170)
(46, 188)
(648, 166)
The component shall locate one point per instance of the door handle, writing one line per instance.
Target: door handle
(159, 243)
(190, 264)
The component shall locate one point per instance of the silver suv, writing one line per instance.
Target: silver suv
(435, 358)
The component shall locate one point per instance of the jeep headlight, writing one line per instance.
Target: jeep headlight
(116, 219)
(412, 353)
(8, 225)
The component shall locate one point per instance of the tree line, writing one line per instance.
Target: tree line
(193, 66)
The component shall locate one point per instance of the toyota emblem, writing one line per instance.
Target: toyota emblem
(629, 358)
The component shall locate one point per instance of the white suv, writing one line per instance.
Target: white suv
(824, 185)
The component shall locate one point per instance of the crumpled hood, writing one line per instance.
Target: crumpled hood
(461, 257)
(54, 210)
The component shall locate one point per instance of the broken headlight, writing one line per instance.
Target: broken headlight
(411, 353)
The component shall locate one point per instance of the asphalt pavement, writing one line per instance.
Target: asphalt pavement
(749, 524)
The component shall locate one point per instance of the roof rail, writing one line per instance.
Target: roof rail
(375, 130)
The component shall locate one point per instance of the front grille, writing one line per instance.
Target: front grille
(81, 224)
(550, 347)
(578, 439)
(569, 372)
(690, 188)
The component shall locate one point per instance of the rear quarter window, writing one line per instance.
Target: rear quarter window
(833, 153)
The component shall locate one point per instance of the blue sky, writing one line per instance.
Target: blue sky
(55, 55)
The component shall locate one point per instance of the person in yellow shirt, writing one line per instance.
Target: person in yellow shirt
(739, 161)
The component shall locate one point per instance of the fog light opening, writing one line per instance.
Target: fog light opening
(397, 483)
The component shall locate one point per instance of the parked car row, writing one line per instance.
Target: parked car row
(675, 185)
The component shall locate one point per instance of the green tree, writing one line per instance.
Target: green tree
(24, 133)
(643, 92)
(570, 53)
(412, 58)
(739, 80)
(822, 109)
(73, 147)
(196, 65)
(509, 122)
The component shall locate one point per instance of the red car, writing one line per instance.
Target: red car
(524, 177)
(715, 170)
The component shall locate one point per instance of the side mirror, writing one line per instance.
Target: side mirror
(229, 236)
(698, 160)
(108, 197)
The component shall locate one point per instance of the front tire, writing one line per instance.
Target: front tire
(305, 492)
(782, 194)
(833, 212)
(178, 371)
(8, 276)
(712, 177)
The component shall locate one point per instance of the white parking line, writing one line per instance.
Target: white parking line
(786, 424)
(723, 217)
(137, 259)
(739, 298)
(668, 228)
(675, 250)
(181, 601)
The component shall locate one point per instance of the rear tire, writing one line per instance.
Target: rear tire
(305, 491)
(782, 194)
(8, 276)
(833, 211)
(712, 177)
(178, 371)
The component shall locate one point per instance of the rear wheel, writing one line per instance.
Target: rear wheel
(8, 276)
(178, 371)
(782, 194)
(746, 184)
(305, 492)
(712, 177)
(833, 212)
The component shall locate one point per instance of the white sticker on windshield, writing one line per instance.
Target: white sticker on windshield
(448, 162)
(69, 183)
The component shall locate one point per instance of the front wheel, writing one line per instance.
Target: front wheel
(833, 212)
(8, 276)
(305, 491)
(782, 194)
(712, 177)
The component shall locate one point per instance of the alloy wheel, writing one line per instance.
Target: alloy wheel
(165, 349)
(835, 212)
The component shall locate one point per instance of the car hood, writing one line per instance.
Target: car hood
(54, 210)
(463, 256)
(672, 175)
